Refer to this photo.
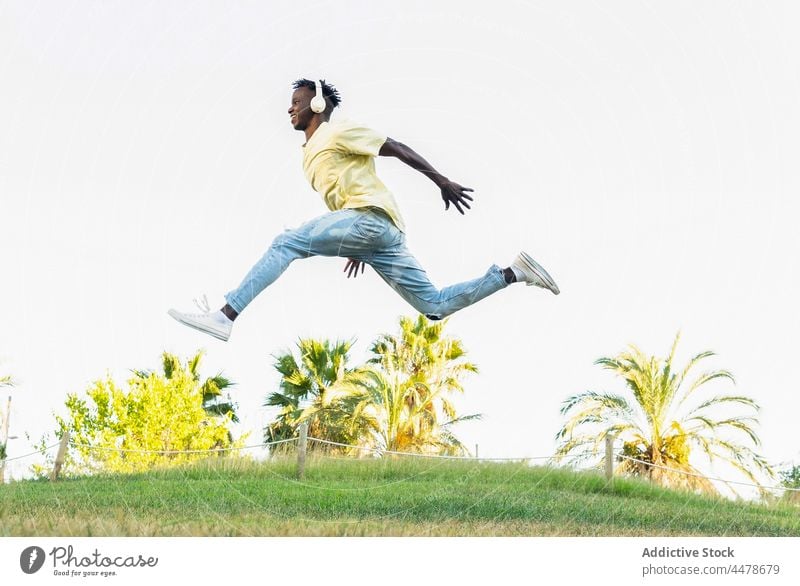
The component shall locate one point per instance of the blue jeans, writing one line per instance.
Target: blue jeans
(367, 235)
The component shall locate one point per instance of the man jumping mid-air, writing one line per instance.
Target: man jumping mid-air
(364, 224)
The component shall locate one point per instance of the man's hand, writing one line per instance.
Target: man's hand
(351, 268)
(454, 193)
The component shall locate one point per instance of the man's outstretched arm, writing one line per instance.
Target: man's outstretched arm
(452, 192)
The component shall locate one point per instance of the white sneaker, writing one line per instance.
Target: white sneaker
(215, 323)
(534, 273)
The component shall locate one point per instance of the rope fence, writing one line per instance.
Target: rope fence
(418, 455)
(302, 439)
(41, 451)
(609, 461)
(66, 443)
(696, 475)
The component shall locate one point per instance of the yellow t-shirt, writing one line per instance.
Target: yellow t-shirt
(339, 161)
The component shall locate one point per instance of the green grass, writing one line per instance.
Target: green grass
(375, 497)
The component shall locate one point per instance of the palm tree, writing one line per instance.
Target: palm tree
(402, 414)
(663, 422)
(400, 401)
(407, 397)
(310, 393)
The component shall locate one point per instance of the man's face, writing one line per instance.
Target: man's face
(300, 112)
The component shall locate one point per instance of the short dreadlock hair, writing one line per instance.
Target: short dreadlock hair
(329, 92)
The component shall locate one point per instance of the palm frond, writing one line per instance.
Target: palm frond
(460, 418)
(280, 400)
(705, 378)
(719, 400)
(194, 364)
(223, 409)
(692, 363)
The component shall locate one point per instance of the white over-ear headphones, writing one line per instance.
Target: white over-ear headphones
(318, 101)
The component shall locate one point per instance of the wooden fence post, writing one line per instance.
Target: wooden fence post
(4, 441)
(301, 451)
(609, 457)
(62, 454)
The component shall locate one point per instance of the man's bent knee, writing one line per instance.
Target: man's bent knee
(287, 247)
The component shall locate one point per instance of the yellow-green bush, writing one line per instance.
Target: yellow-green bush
(160, 419)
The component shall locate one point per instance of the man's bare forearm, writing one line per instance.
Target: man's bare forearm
(393, 148)
(452, 192)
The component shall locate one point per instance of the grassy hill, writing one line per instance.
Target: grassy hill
(417, 497)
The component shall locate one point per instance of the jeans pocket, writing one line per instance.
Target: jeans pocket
(370, 226)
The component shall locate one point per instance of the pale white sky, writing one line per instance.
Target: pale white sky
(645, 153)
